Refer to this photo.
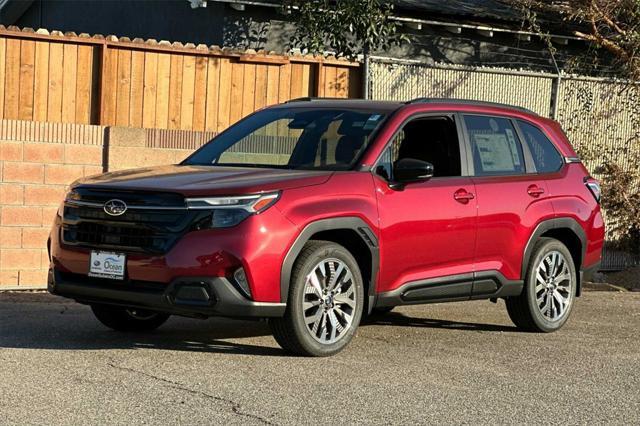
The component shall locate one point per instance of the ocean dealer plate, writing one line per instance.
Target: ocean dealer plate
(104, 264)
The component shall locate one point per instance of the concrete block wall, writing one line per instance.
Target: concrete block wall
(37, 163)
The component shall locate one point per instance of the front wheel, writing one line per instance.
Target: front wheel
(128, 319)
(326, 297)
(550, 287)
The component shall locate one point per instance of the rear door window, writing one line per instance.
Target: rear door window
(495, 146)
(545, 156)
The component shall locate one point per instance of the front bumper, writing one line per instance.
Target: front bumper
(187, 296)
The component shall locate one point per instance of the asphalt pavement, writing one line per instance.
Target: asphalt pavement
(439, 364)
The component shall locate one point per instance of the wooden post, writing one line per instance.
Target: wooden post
(101, 85)
(320, 81)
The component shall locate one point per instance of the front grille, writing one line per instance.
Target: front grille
(116, 235)
(153, 224)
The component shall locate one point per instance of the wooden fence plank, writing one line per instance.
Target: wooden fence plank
(12, 79)
(296, 80)
(320, 75)
(213, 94)
(330, 81)
(3, 62)
(307, 88)
(237, 85)
(27, 62)
(137, 88)
(249, 90)
(224, 105)
(261, 86)
(150, 89)
(84, 85)
(175, 91)
(56, 68)
(41, 82)
(200, 94)
(273, 83)
(109, 86)
(284, 88)
(123, 87)
(162, 90)
(69, 82)
(342, 83)
(188, 92)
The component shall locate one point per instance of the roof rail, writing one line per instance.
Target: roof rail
(311, 99)
(467, 102)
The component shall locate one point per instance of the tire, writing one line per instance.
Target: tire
(128, 319)
(333, 317)
(539, 308)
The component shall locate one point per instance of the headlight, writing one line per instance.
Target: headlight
(230, 211)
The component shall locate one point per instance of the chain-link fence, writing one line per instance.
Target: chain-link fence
(601, 117)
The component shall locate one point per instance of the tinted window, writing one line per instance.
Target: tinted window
(495, 146)
(293, 138)
(431, 139)
(545, 156)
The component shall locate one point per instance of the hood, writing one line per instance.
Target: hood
(205, 180)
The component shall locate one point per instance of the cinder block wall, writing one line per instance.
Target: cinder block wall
(37, 163)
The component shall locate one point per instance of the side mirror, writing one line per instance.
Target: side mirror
(408, 170)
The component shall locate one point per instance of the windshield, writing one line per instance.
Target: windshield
(293, 138)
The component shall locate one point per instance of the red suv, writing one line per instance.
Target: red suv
(316, 212)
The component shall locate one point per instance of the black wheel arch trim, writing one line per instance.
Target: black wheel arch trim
(353, 223)
(554, 224)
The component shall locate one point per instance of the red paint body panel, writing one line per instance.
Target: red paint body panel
(507, 216)
(422, 231)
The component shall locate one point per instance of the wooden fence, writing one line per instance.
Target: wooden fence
(110, 81)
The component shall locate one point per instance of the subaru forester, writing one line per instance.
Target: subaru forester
(316, 212)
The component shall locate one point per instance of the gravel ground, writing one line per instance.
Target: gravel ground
(447, 363)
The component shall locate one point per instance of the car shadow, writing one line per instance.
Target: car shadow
(36, 323)
(77, 329)
(398, 319)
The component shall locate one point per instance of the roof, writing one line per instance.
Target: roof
(383, 106)
(499, 15)
(388, 106)
(491, 9)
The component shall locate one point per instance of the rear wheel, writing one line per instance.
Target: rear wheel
(550, 287)
(326, 297)
(128, 319)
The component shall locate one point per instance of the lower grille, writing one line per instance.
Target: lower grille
(150, 286)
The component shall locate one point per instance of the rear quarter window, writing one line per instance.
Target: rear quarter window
(495, 146)
(546, 157)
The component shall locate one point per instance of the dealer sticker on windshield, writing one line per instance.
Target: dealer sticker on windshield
(109, 265)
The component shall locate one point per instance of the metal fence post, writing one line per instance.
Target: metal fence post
(555, 96)
(365, 76)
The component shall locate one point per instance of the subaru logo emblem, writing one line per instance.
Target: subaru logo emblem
(115, 207)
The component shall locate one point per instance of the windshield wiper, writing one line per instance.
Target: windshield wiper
(253, 166)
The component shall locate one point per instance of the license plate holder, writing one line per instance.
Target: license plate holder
(107, 264)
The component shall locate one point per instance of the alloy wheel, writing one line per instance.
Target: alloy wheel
(554, 286)
(329, 302)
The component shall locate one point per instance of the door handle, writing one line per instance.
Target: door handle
(535, 191)
(463, 196)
